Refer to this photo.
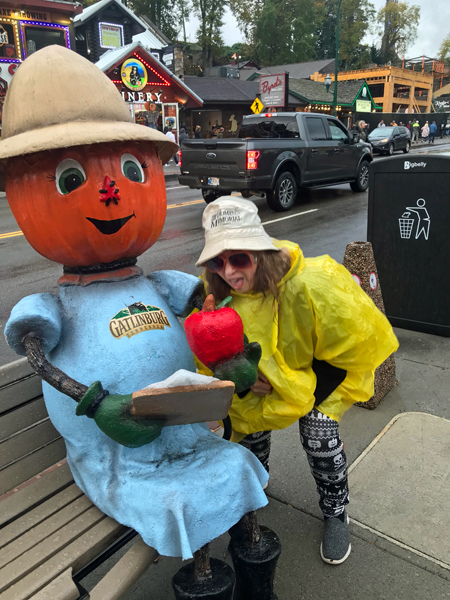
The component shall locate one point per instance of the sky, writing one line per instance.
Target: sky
(433, 27)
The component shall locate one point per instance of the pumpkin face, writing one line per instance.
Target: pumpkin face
(88, 205)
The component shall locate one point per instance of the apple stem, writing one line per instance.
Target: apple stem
(209, 304)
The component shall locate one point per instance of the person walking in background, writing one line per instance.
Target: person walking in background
(321, 337)
(198, 132)
(447, 129)
(169, 133)
(381, 123)
(442, 129)
(183, 135)
(361, 129)
(425, 132)
(415, 131)
(433, 130)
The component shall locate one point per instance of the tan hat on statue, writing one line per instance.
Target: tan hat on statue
(232, 223)
(58, 99)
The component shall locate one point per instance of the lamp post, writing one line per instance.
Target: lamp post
(336, 60)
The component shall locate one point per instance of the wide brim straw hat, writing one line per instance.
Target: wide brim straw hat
(232, 223)
(58, 99)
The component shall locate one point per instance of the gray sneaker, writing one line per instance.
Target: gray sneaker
(335, 547)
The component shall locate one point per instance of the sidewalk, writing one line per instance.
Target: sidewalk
(399, 489)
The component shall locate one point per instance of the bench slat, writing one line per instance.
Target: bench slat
(61, 588)
(44, 530)
(31, 465)
(75, 555)
(20, 392)
(53, 545)
(30, 440)
(33, 517)
(22, 417)
(13, 371)
(33, 495)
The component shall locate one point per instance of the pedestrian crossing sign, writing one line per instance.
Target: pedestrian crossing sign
(257, 106)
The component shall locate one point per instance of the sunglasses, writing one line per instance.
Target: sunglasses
(240, 260)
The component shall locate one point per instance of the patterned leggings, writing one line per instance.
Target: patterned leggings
(320, 438)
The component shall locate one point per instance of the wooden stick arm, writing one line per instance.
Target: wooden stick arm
(49, 373)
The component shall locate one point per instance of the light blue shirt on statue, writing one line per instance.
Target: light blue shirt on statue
(188, 486)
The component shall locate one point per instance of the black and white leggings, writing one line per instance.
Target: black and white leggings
(319, 436)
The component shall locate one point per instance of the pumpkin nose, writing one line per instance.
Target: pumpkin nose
(109, 192)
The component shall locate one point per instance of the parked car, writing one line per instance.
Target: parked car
(276, 154)
(387, 140)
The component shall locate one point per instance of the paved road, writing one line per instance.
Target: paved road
(323, 222)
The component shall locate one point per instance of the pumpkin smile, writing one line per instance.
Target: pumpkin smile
(112, 226)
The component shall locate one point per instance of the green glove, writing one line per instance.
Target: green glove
(242, 369)
(112, 413)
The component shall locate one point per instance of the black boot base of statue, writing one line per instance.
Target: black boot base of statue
(219, 587)
(255, 567)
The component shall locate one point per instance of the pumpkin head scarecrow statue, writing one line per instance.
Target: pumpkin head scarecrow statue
(87, 188)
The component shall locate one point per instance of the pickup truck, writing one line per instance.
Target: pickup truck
(276, 155)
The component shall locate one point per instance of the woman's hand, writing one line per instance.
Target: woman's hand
(262, 386)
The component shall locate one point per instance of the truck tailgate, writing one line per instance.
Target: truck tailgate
(214, 158)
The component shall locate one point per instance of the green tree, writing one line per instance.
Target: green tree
(169, 15)
(399, 22)
(210, 14)
(285, 32)
(354, 23)
(444, 50)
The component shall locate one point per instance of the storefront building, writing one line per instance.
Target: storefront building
(154, 95)
(225, 103)
(28, 27)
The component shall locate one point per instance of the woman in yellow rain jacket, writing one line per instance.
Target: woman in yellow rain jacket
(321, 338)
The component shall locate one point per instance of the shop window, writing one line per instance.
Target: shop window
(7, 41)
(37, 38)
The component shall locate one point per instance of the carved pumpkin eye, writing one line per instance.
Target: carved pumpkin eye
(69, 176)
(131, 168)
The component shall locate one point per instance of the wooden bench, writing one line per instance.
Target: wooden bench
(51, 535)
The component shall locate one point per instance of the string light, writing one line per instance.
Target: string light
(110, 25)
(16, 35)
(152, 69)
(40, 24)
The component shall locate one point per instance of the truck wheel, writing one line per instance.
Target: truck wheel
(283, 196)
(209, 196)
(245, 194)
(361, 182)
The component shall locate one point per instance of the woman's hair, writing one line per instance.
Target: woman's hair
(272, 266)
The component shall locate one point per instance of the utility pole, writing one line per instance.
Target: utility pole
(336, 59)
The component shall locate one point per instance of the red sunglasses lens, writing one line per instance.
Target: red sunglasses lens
(215, 264)
(240, 261)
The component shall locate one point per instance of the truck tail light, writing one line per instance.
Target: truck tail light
(252, 159)
(179, 158)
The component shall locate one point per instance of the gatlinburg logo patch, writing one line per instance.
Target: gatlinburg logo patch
(136, 318)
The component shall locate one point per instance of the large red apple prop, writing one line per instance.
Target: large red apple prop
(215, 335)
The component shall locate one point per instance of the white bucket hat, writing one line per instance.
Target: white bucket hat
(232, 224)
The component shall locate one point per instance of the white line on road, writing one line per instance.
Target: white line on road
(290, 216)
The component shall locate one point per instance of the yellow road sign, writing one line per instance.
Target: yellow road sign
(257, 106)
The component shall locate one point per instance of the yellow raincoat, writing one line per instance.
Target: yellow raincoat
(322, 313)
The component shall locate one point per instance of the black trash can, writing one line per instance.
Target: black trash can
(409, 229)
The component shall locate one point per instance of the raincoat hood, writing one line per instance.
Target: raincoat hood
(322, 313)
